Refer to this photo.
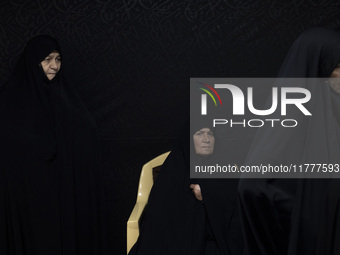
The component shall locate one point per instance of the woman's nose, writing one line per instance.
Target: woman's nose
(206, 138)
(54, 64)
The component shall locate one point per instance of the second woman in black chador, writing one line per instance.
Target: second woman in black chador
(175, 221)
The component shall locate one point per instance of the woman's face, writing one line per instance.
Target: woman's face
(204, 142)
(51, 64)
(334, 81)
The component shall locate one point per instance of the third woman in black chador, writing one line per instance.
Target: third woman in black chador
(286, 216)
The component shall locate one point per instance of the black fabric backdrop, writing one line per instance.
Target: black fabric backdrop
(131, 61)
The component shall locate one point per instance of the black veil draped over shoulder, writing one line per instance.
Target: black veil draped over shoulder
(286, 216)
(51, 186)
(175, 222)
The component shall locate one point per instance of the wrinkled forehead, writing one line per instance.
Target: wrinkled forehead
(205, 130)
(39, 47)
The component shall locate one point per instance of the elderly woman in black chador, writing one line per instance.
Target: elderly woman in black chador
(293, 216)
(51, 187)
(190, 216)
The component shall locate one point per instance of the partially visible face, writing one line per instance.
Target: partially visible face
(334, 80)
(204, 142)
(51, 64)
